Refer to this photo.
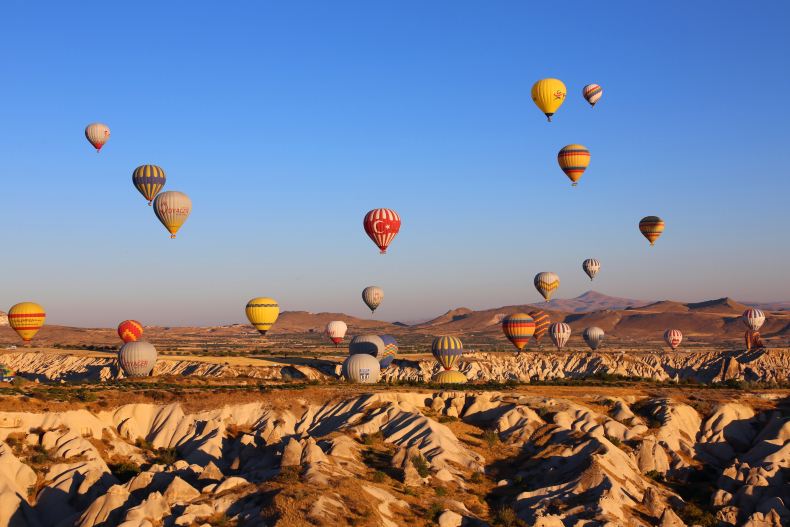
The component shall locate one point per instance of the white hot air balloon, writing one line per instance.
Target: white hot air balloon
(673, 338)
(336, 331)
(753, 318)
(559, 332)
(593, 336)
(97, 134)
(172, 208)
(372, 345)
(546, 283)
(372, 296)
(591, 266)
(137, 359)
(361, 368)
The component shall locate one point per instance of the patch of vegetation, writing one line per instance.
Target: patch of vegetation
(440, 491)
(40, 456)
(434, 511)
(124, 470)
(372, 439)
(165, 456)
(506, 517)
(288, 475)
(691, 514)
(491, 437)
(447, 419)
(379, 477)
(421, 465)
(615, 441)
(655, 475)
(476, 477)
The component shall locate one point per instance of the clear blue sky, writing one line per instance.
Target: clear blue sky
(285, 122)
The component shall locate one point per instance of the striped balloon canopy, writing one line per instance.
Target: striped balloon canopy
(390, 350)
(559, 332)
(518, 328)
(546, 283)
(172, 208)
(542, 323)
(382, 225)
(753, 318)
(592, 93)
(591, 266)
(673, 338)
(149, 180)
(593, 336)
(26, 318)
(574, 160)
(447, 351)
(97, 134)
(651, 228)
(372, 295)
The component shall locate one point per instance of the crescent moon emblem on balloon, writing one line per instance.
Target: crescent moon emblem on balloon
(376, 226)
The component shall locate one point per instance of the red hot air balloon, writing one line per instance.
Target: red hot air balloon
(382, 225)
(130, 330)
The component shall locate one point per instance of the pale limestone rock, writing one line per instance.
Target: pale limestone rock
(179, 491)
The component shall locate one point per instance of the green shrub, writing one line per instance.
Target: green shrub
(491, 438)
(125, 470)
(421, 465)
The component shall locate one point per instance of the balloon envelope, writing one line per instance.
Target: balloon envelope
(148, 180)
(546, 283)
(262, 312)
(336, 331)
(361, 368)
(591, 266)
(172, 208)
(390, 350)
(372, 296)
(449, 377)
(593, 336)
(369, 344)
(673, 338)
(548, 95)
(26, 318)
(447, 351)
(382, 225)
(574, 160)
(137, 359)
(592, 93)
(97, 134)
(651, 228)
(753, 318)
(542, 323)
(559, 332)
(130, 330)
(518, 328)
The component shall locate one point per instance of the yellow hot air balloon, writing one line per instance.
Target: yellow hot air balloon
(26, 318)
(549, 94)
(546, 283)
(574, 160)
(172, 208)
(262, 313)
(651, 228)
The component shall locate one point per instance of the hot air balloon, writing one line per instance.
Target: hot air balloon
(26, 318)
(382, 225)
(390, 350)
(518, 328)
(372, 296)
(673, 338)
(447, 351)
(137, 359)
(549, 95)
(449, 377)
(574, 160)
(172, 208)
(361, 368)
(559, 332)
(149, 180)
(651, 228)
(546, 283)
(593, 336)
(97, 135)
(370, 344)
(753, 318)
(542, 323)
(336, 330)
(591, 266)
(262, 312)
(130, 330)
(592, 92)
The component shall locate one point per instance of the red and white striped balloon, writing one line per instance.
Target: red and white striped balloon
(382, 225)
(559, 332)
(753, 318)
(673, 338)
(97, 134)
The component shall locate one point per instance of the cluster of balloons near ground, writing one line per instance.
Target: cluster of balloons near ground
(172, 208)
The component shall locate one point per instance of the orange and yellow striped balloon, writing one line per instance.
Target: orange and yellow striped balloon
(518, 328)
(130, 330)
(546, 283)
(574, 160)
(26, 318)
(548, 95)
(542, 323)
(651, 228)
